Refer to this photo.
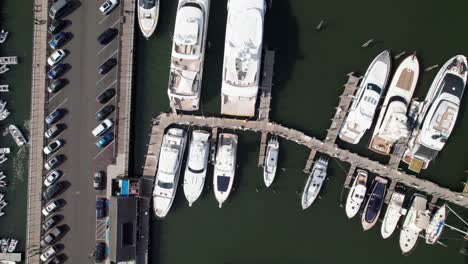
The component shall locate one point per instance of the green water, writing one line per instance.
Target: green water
(310, 68)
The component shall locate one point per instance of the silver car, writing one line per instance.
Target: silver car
(52, 177)
(56, 57)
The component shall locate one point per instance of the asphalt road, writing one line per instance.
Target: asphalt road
(85, 54)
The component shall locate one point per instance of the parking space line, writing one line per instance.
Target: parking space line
(100, 152)
(118, 20)
(55, 94)
(62, 103)
(106, 104)
(104, 19)
(108, 86)
(113, 53)
(102, 78)
(99, 52)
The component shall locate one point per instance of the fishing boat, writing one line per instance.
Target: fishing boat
(436, 226)
(416, 220)
(19, 138)
(4, 113)
(3, 36)
(197, 165)
(3, 203)
(225, 167)
(148, 16)
(4, 244)
(364, 106)
(167, 177)
(356, 194)
(392, 123)
(12, 245)
(4, 150)
(188, 53)
(374, 204)
(437, 114)
(3, 158)
(392, 215)
(2, 195)
(271, 161)
(4, 68)
(314, 182)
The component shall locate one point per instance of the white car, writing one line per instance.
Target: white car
(53, 146)
(108, 6)
(102, 128)
(56, 57)
(49, 253)
(52, 177)
(51, 207)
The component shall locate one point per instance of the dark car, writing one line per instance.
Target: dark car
(98, 181)
(107, 36)
(105, 140)
(100, 208)
(104, 112)
(56, 71)
(100, 253)
(51, 222)
(56, 26)
(58, 40)
(54, 116)
(105, 96)
(51, 237)
(56, 85)
(107, 66)
(57, 260)
(53, 191)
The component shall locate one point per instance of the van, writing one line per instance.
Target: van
(60, 8)
(101, 128)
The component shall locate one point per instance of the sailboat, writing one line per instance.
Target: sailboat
(436, 226)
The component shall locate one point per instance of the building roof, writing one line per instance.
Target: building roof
(123, 228)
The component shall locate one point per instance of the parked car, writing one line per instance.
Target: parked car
(107, 7)
(53, 131)
(56, 26)
(56, 57)
(50, 222)
(53, 146)
(58, 40)
(53, 162)
(108, 65)
(105, 140)
(100, 208)
(53, 236)
(105, 96)
(98, 182)
(107, 36)
(60, 8)
(52, 177)
(104, 112)
(54, 116)
(56, 85)
(49, 252)
(53, 191)
(56, 71)
(52, 206)
(57, 260)
(100, 252)
(102, 128)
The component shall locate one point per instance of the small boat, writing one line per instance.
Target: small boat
(197, 165)
(4, 244)
(2, 176)
(314, 182)
(3, 203)
(148, 16)
(392, 215)
(3, 158)
(4, 113)
(2, 214)
(416, 220)
(19, 138)
(4, 68)
(4, 150)
(12, 245)
(374, 204)
(271, 161)
(3, 36)
(436, 226)
(2, 195)
(225, 167)
(357, 194)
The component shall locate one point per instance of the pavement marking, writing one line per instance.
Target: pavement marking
(99, 52)
(108, 86)
(102, 78)
(118, 20)
(113, 53)
(62, 103)
(55, 94)
(100, 152)
(104, 19)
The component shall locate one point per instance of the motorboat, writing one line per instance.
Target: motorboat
(167, 177)
(271, 161)
(242, 57)
(225, 166)
(188, 53)
(4, 242)
(4, 150)
(3, 158)
(4, 68)
(436, 226)
(356, 194)
(416, 220)
(392, 123)
(367, 97)
(197, 165)
(3, 36)
(314, 182)
(4, 113)
(148, 16)
(392, 215)
(12, 245)
(437, 114)
(374, 204)
(19, 138)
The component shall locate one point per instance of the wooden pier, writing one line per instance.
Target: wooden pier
(263, 145)
(310, 161)
(266, 85)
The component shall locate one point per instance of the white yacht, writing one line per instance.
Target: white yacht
(148, 16)
(197, 165)
(167, 177)
(271, 161)
(371, 88)
(438, 114)
(225, 167)
(392, 215)
(356, 194)
(19, 138)
(416, 220)
(242, 57)
(188, 53)
(436, 226)
(392, 124)
(314, 182)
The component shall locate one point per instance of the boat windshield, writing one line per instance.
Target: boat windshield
(196, 171)
(165, 185)
(147, 4)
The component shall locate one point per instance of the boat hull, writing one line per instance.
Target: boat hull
(224, 172)
(148, 19)
(392, 215)
(356, 194)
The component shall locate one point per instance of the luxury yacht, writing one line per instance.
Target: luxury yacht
(392, 124)
(416, 220)
(392, 215)
(436, 226)
(167, 177)
(225, 167)
(271, 161)
(314, 182)
(188, 52)
(242, 57)
(437, 115)
(148, 16)
(197, 164)
(371, 88)
(371, 213)
(356, 194)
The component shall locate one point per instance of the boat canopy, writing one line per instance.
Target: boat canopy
(454, 85)
(223, 183)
